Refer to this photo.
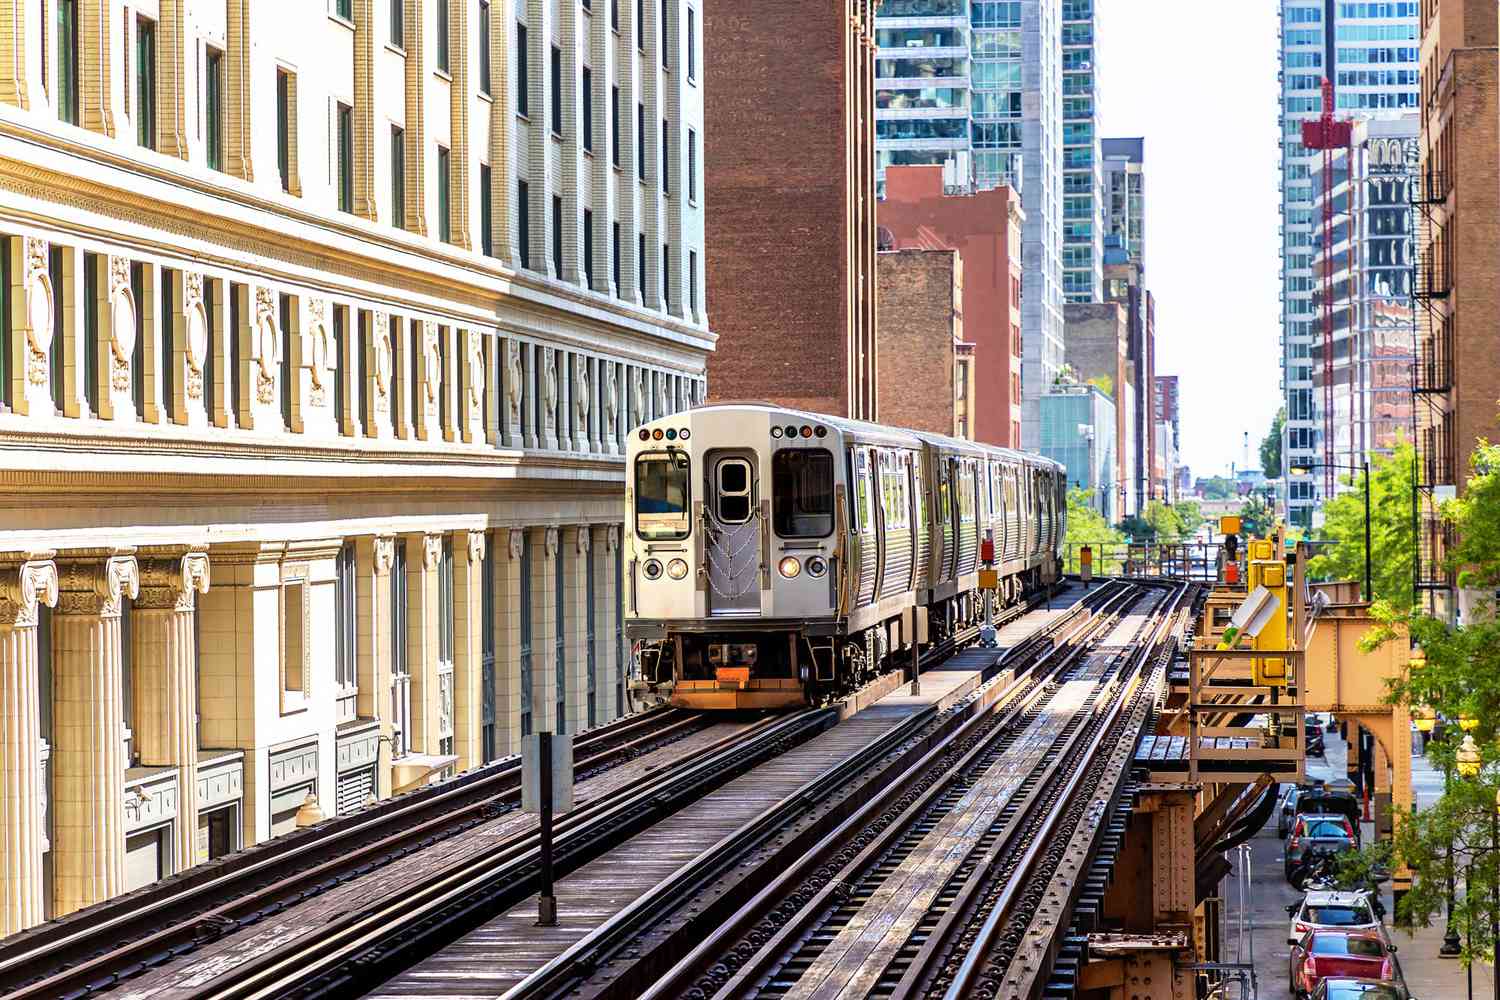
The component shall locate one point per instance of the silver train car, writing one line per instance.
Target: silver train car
(778, 558)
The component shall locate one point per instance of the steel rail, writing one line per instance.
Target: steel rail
(79, 957)
(360, 949)
(977, 954)
(795, 857)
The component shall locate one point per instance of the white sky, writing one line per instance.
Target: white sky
(1202, 90)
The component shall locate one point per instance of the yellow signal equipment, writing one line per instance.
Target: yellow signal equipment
(1262, 548)
(1229, 524)
(1271, 670)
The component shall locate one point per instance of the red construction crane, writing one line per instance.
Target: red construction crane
(1326, 134)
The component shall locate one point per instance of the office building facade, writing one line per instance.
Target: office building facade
(1125, 199)
(1368, 51)
(322, 332)
(1084, 201)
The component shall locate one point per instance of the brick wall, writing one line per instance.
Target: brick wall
(919, 305)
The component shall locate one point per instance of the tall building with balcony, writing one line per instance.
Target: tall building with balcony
(320, 333)
(1125, 198)
(1084, 193)
(979, 86)
(1368, 52)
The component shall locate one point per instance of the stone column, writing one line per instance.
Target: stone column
(468, 648)
(88, 759)
(166, 676)
(23, 588)
(506, 565)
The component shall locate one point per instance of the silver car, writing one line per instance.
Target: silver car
(1345, 911)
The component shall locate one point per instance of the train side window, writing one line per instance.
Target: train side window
(863, 506)
(921, 494)
(802, 493)
(734, 490)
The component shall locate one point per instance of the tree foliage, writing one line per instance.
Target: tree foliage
(1257, 517)
(1270, 447)
(1104, 384)
(1217, 488)
(1086, 526)
(1163, 523)
(1393, 543)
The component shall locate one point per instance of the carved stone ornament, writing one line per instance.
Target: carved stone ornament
(94, 587)
(476, 546)
(122, 307)
(24, 588)
(612, 539)
(516, 542)
(580, 388)
(385, 360)
(432, 551)
(549, 380)
(319, 348)
(581, 539)
(551, 542)
(195, 324)
(172, 584)
(432, 361)
(385, 554)
(637, 398)
(662, 397)
(40, 302)
(513, 378)
(476, 369)
(611, 399)
(266, 343)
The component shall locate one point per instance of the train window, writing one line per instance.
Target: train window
(661, 496)
(966, 492)
(802, 481)
(734, 499)
(864, 507)
(893, 493)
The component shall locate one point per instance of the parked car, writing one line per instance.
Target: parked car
(1320, 909)
(1331, 799)
(1288, 810)
(1314, 834)
(1350, 988)
(1325, 954)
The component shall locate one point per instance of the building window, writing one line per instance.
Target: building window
(523, 222)
(640, 141)
(666, 276)
(484, 46)
(346, 621)
(398, 178)
(525, 616)
(486, 213)
(556, 91)
(400, 666)
(344, 9)
(561, 639)
(346, 158)
(145, 82)
(213, 108)
(442, 35)
(284, 128)
(557, 254)
(588, 109)
(293, 642)
(445, 224)
(614, 14)
(640, 24)
(588, 247)
(640, 266)
(693, 281)
(523, 77)
(67, 61)
(286, 360)
(692, 44)
(666, 187)
(692, 166)
(666, 47)
(487, 655)
(398, 23)
(445, 602)
(614, 256)
(614, 125)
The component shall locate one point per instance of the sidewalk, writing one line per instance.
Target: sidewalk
(1428, 976)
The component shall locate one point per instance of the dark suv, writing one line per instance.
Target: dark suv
(1314, 835)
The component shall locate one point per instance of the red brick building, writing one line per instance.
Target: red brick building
(985, 227)
(1457, 377)
(926, 368)
(789, 177)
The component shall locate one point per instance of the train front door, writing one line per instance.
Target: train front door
(733, 544)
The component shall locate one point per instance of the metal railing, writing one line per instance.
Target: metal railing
(1197, 561)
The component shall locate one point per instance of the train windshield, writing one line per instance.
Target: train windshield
(661, 496)
(802, 481)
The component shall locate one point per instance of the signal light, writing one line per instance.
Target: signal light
(791, 430)
(671, 434)
(806, 431)
(790, 567)
(684, 434)
(645, 434)
(656, 435)
(821, 432)
(776, 432)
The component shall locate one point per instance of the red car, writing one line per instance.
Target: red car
(1323, 953)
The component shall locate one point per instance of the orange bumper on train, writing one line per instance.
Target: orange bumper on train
(734, 688)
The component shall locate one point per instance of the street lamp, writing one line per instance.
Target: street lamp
(1468, 758)
(1364, 467)
(1451, 946)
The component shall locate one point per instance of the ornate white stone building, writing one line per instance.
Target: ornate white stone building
(323, 323)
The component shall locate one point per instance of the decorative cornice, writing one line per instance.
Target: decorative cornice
(24, 587)
(432, 551)
(581, 539)
(94, 586)
(385, 554)
(517, 542)
(171, 584)
(550, 542)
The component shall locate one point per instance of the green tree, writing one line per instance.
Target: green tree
(1257, 516)
(1086, 526)
(1104, 384)
(1393, 543)
(1189, 518)
(1217, 487)
(1270, 447)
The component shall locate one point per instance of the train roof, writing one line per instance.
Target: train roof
(864, 430)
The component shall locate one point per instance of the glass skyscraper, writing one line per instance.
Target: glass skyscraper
(1369, 52)
(1083, 190)
(978, 86)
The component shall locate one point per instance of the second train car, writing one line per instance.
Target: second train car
(778, 558)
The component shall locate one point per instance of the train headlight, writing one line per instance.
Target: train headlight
(652, 569)
(817, 566)
(790, 567)
(677, 569)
